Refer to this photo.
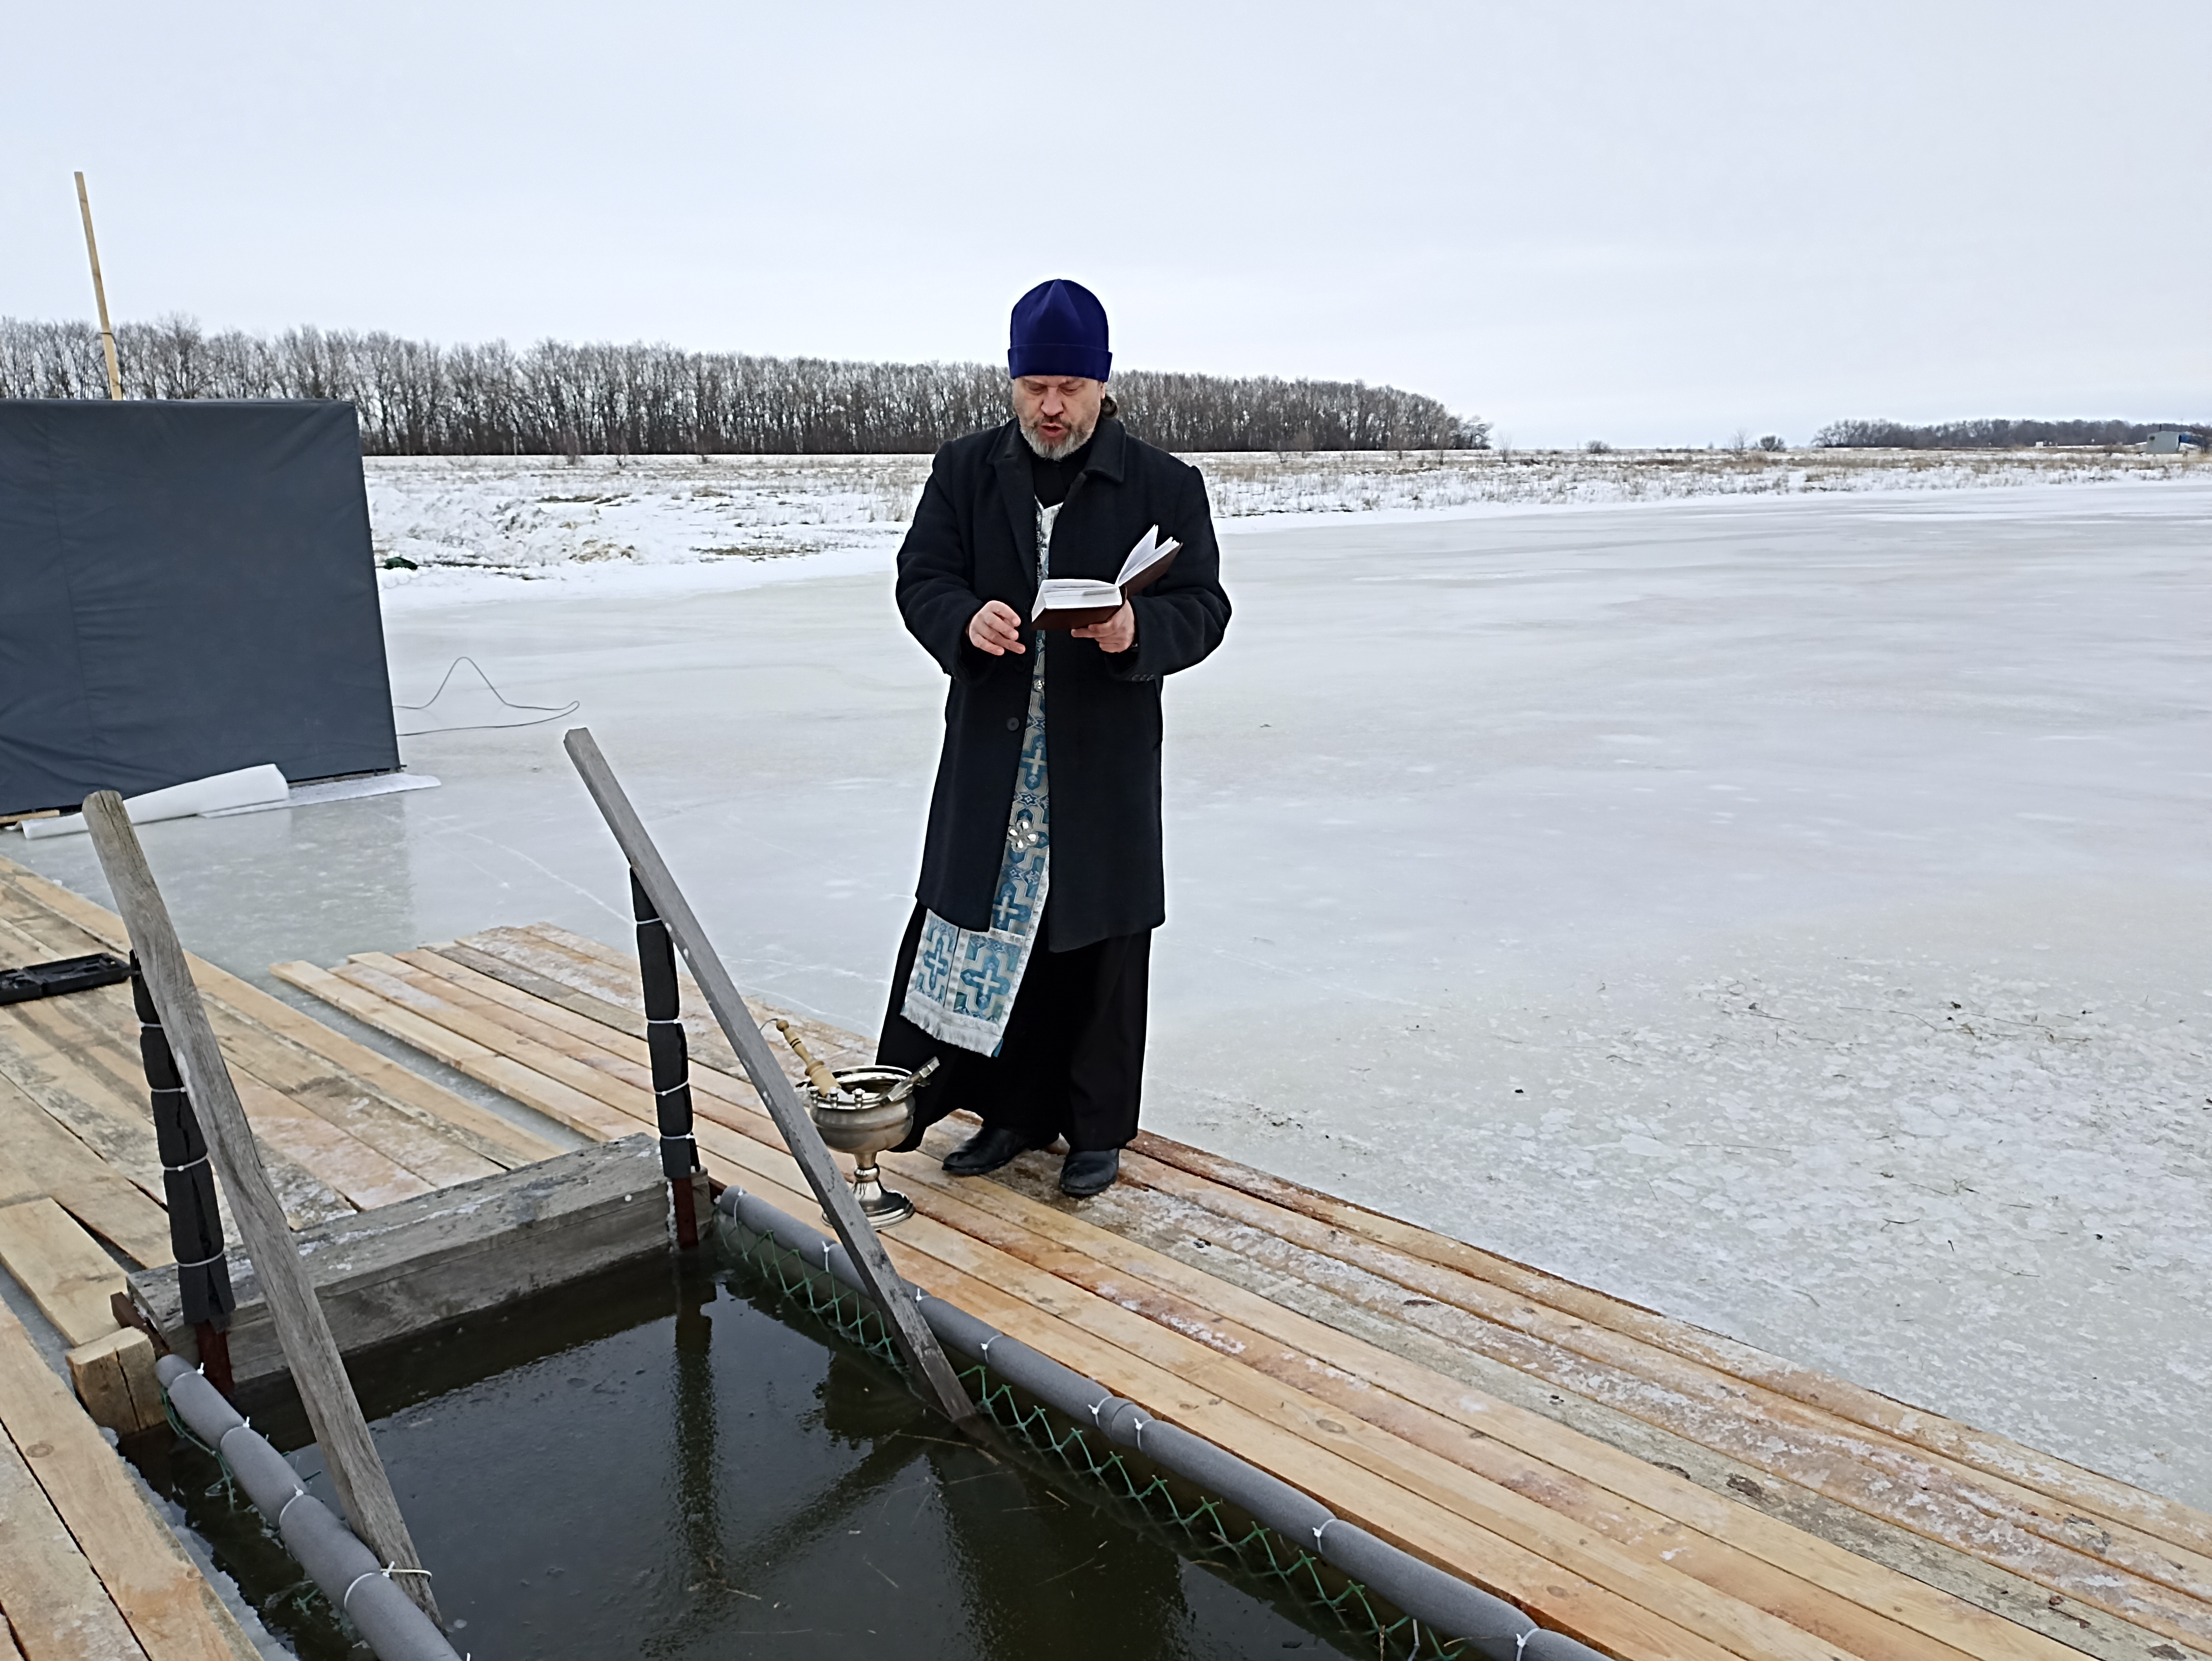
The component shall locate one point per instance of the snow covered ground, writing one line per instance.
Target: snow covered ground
(1792, 910)
(532, 516)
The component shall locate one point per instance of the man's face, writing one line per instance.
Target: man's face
(1057, 413)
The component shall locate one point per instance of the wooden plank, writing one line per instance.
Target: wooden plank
(577, 1037)
(69, 1277)
(52, 1599)
(601, 1074)
(1205, 1242)
(347, 1166)
(114, 1378)
(1556, 1596)
(621, 1018)
(170, 1610)
(67, 1054)
(39, 1157)
(46, 933)
(459, 978)
(346, 1103)
(1499, 1513)
(753, 1177)
(326, 1392)
(2108, 1568)
(109, 1117)
(484, 1132)
(606, 976)
(450, 1254)
(582, 1113)
(2075, 1488)
(1597, 1485)
(597, 971)
(835, 1044)
(560, 1061)
(1738, 1601)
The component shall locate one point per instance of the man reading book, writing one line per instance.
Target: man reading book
(1024, 968)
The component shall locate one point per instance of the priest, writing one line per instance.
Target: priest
(1024, 967)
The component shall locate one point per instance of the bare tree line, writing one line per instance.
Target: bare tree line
(415, 397)
(1990, 433)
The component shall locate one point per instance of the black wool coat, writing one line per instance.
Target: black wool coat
(975, 539)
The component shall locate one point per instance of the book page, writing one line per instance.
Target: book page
(1149, 551)
(1140, 556)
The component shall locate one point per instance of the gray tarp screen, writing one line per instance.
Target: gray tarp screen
(185, 589)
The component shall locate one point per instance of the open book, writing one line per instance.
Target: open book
(1075, 602)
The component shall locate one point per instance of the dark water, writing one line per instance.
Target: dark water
(663, 1467)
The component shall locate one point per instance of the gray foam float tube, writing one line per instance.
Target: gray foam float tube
(345, 1569)
(1491, 1626)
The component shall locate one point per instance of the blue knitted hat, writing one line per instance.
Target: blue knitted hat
(1059, 328)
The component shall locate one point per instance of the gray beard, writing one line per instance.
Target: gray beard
(1075, 440)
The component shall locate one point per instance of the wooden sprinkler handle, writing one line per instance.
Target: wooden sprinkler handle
(817, 1074)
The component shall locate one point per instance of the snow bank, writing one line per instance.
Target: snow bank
(537, 516)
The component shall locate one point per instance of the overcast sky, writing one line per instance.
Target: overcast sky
(1645, 223)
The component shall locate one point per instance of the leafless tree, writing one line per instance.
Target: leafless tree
(1988, 433)
(417, 399)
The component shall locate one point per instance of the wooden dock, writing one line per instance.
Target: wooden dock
(1655, 1490)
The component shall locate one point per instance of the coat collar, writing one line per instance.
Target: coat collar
(1109, 450)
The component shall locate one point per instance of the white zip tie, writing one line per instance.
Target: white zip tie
(181, 1168)
(203, 1263)
(387, 1572)
(297, 1494)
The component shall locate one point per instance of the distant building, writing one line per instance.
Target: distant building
(2170, 440)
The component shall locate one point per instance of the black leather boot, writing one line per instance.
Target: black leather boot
(1082, 1175)
(986, 1150)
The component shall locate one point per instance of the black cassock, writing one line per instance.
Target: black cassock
(1072, 1056)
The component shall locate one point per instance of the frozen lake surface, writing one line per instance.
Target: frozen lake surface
(1792, 913)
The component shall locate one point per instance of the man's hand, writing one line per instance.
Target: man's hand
(1117, 633)
(997, 629)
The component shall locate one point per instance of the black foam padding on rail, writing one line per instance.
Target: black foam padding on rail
(186, 589)
(196, 1241)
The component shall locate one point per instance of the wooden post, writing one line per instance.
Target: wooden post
(364, 1490)
(100, 292)
(916, 1342)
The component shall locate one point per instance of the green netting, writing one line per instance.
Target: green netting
(1327, 1598)
(290, 1607)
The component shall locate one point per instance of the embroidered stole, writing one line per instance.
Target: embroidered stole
(964, 982)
